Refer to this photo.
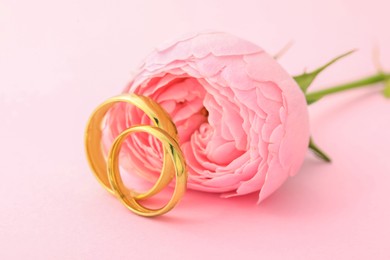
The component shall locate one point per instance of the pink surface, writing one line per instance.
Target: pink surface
(59, 60)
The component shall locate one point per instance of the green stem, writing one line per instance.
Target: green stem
(315, 96)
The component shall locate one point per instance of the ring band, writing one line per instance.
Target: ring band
(179, 167)
(167, 133)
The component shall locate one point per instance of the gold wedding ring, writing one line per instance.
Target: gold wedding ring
(107, 170)
(171, 147)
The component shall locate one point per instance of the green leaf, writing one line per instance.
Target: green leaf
(318, 152)
(304, 80)
(386, 90)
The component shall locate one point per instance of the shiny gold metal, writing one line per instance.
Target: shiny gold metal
(166, 133)
(125, 195)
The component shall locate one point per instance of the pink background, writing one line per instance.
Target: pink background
(59, 59)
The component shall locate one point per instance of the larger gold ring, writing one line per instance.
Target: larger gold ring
(167, 133)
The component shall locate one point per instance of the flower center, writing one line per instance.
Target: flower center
(204, 112)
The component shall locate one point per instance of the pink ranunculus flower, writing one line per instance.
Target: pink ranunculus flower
(242, 119)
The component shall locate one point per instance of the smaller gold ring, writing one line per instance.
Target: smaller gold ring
(171, 147)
